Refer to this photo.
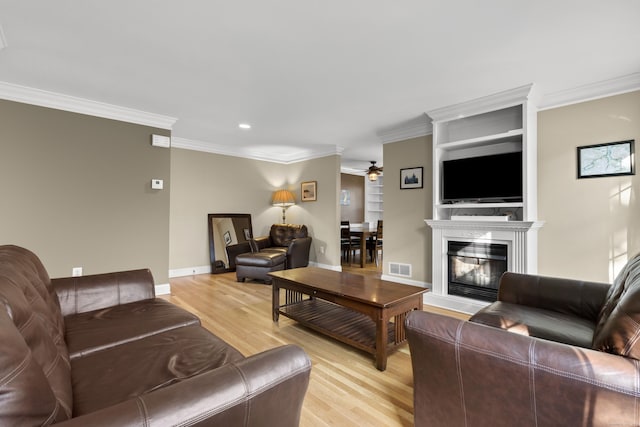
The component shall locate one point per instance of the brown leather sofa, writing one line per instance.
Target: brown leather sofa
(101, 350)
(287, 246)
(549, 352)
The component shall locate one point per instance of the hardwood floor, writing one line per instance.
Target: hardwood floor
(345, 387)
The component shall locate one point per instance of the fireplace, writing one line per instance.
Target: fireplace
(520, 238)
(475, 269)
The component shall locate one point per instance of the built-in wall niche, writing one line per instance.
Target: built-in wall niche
(501, 123)
(374, 198)
(498, 124)
(478, 128)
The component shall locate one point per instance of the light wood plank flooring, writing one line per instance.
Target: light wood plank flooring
(345, 388)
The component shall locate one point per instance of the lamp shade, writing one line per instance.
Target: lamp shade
(283, 198)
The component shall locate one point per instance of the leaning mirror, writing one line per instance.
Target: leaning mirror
(229, 236)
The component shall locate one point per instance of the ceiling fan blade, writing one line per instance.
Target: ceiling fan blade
(373, 168)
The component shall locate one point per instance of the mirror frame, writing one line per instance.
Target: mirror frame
(212, 253)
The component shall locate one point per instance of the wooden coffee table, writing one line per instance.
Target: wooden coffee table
(365, 312)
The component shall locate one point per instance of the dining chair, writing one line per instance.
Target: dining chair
(345, 240)
(374, 244)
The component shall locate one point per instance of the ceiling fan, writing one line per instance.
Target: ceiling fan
(374, 171)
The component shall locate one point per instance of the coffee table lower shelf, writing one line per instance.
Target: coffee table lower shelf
(343, 324)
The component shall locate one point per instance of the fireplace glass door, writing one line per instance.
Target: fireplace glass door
(475, 269)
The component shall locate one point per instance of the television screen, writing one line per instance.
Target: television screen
(493, 178)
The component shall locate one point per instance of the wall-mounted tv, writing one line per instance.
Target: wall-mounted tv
(492, 178)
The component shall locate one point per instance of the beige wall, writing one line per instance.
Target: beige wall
(323, 216)
(76, 191)
(204, 183)
(354, 212)
(407, 239)
(591, 225)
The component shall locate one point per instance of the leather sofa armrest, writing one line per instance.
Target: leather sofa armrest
(264, 389)
(298, 252)
(470, 374)
(262, 242)
(94, 292)
(568, 296)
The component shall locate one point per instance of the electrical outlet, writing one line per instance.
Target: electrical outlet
(76, 271)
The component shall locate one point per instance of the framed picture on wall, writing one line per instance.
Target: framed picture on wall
(411, 178)
(309, 191)
(610, 159)
(345, 198)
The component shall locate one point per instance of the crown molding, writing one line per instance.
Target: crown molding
(352, 171)
(611, 87)
(43, 98)
(482, 105)
(414, 128)
(253, 154)
(194, 145)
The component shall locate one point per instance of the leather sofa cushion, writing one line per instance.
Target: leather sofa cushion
(283, 234)
(31, 311)
(96, 291)
(101, 329)
(618, 329)
(265, 258)
(151, 363)
(537, 322)
(26, 398)
(274, 250)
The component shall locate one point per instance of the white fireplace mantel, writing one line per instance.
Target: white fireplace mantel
(519, 236)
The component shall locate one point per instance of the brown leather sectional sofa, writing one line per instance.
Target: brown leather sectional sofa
(549, 352)
(103, 351)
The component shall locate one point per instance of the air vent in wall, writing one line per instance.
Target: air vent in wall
(398, 269)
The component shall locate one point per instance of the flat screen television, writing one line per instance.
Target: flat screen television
(492, 178)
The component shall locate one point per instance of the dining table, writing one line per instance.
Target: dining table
(363, 232)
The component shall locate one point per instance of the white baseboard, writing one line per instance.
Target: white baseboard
(325, 266)
(206, 269)
(163, 289)
(391, 278)
(189, 271)
(455, 303)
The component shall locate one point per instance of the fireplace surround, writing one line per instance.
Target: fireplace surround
(518, 237)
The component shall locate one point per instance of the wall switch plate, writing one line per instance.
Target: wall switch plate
(157, 184)
(76, 271)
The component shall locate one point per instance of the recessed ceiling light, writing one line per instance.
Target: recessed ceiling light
(244, 126)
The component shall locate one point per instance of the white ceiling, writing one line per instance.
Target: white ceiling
(310, 76)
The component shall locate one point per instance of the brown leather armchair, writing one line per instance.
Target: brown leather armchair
(549, 352)
(290, 239)
(286, 246)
